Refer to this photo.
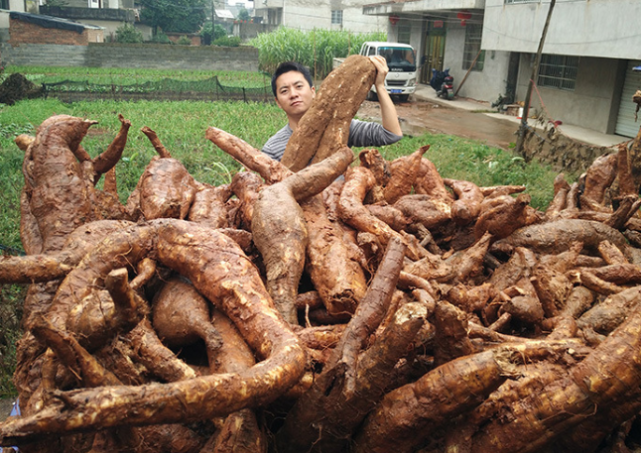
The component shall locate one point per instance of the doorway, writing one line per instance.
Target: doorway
(434, 46)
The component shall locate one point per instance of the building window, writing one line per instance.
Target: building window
(337, 17)
(473, 34)
(558, 71)
(4, 4)
(404, 32)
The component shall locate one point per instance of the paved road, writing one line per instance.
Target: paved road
(419, 116)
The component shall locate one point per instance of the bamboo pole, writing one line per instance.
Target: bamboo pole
(528, 96)
(468, 71)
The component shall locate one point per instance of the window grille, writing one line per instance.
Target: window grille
(404, 33)
(337, 17)
(558, 71)
(473, 34)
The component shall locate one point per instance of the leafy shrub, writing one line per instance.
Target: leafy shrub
(226, 41)
(219, 32)
(184, 41)
(127, 33)
(208, 34)
(161, 38)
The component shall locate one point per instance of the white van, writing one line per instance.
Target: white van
(401, 60)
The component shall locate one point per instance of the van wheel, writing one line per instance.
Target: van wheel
(371, 96)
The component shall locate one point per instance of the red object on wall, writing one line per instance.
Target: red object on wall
(394, 19)
(464, 16)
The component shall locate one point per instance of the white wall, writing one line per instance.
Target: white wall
(311, 14)
(589, 105)
(485, 85)
(596, 28)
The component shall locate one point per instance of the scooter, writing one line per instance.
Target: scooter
(443, 83)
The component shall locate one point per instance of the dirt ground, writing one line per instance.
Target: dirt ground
(418, 117)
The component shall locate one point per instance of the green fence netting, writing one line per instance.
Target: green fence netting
(165, 89)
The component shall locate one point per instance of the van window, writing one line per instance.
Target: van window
(399, 58)
(371, 51)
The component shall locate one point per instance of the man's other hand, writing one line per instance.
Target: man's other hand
(381, 71)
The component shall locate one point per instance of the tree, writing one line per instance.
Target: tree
(209, 34)
(243, 14)
(179, 16)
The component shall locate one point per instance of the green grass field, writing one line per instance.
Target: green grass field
(120, 76)
(181, 128)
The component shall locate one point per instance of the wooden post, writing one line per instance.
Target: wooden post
(528, 96)
(315, 75)
(468, 72)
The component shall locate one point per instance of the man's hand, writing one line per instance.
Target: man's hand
(389, 116)
(381, 71)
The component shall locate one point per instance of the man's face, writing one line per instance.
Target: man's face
(293, 93)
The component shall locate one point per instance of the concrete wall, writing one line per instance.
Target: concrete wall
(246, 31)
(485, 85)
(594, 28)
(109, 27)
(591, 104)
(152, 56)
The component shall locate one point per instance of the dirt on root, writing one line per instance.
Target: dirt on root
(419, 117)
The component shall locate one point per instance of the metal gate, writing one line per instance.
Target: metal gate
(626, 126)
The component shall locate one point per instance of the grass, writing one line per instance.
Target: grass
(124, 77)
(181, 127)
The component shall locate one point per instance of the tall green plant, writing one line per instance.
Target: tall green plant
(315, 49)
(127, 33)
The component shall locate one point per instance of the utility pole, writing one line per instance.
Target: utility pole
(535, 73)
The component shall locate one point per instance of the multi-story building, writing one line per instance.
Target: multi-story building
(325, 14)
(107, 14)
(586, 75)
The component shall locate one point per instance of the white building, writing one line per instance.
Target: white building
(585, 76)
(5, 7)
(324, 14)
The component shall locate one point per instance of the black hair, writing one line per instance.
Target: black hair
(289, 66)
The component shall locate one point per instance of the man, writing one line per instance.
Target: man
(294, 91)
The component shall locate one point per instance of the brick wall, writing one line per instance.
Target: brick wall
(150, 56)
(174, 37)
(26, 33)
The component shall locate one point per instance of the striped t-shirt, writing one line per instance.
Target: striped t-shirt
(361, 133)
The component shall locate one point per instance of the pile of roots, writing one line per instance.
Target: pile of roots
(366, 307)
(17, 87)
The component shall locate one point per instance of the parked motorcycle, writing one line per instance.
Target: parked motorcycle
(443, 83)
